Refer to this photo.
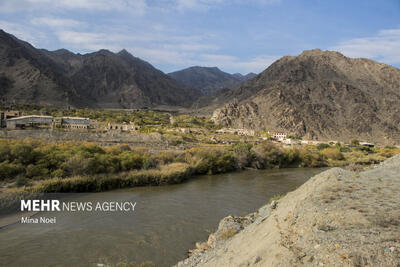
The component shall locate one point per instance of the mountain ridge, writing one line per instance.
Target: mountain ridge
(101, 79)
(209, 80)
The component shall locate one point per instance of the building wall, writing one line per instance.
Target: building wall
(122, 127)
(75, 121)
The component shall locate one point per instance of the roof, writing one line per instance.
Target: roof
(75, 118)
(30, 116)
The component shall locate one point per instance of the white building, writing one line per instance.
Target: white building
(280, 136)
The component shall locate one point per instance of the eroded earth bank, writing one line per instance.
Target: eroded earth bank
(337, 218)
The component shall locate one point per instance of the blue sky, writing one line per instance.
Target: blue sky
(234, 35)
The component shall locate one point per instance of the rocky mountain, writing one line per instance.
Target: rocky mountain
(208, 81)
(319, 95)
(28, 76)
(101, 79)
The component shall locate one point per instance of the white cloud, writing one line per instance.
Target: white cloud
(137, 7)
(384, 46)
(202, 5)
(21, 32)
(190, 47)
(235, 64)
(88, 41)
(182, 5)
(57, 22)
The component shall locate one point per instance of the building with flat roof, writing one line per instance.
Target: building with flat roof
(72, 122)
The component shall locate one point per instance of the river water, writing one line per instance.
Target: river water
(166, 222)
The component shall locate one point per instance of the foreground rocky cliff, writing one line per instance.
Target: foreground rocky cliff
(337, 218)
(319, 95)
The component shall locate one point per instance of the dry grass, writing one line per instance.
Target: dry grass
(167, 174)
(228, 234)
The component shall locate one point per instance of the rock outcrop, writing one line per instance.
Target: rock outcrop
(337, 218)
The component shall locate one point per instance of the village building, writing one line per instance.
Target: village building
(29, 121)
(186, 130)
(366, 144)
(5, 115)
(243, 132)
(39, 121)
(123, 127)
(280, 136)
(72, 122)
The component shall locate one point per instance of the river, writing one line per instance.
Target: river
(166, 222)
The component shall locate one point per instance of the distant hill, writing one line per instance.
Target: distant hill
(101, 79)
(208, 81)
(319, 95)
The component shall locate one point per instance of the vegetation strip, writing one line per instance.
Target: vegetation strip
(36, 166)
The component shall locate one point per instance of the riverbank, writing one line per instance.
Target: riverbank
(37, 166)
(337, 218)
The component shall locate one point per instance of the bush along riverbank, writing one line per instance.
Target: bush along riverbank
(37, 166)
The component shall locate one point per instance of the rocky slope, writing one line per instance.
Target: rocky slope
(101, 79)
(319, 95)
(208, 81)
(337, 218)
(28, 76)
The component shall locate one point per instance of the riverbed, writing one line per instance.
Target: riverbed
(166, 221)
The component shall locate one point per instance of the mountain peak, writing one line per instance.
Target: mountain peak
(319, 52)
(62, 51)
(124, 52)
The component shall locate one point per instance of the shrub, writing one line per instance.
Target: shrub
(21, 181)
(242, 154)
(21, 153)
(332, 153)
(322, 146)
(131, 161)
(290, 157)
(210, 161)
(77, 165)
(35, 171)
(354, 142)
(267, 155)
(310, 159)
(345, 149)
(4, 152)
(10, 170)
(388, 152)
(58, 173)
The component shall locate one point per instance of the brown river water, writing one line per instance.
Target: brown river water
(166, 222)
